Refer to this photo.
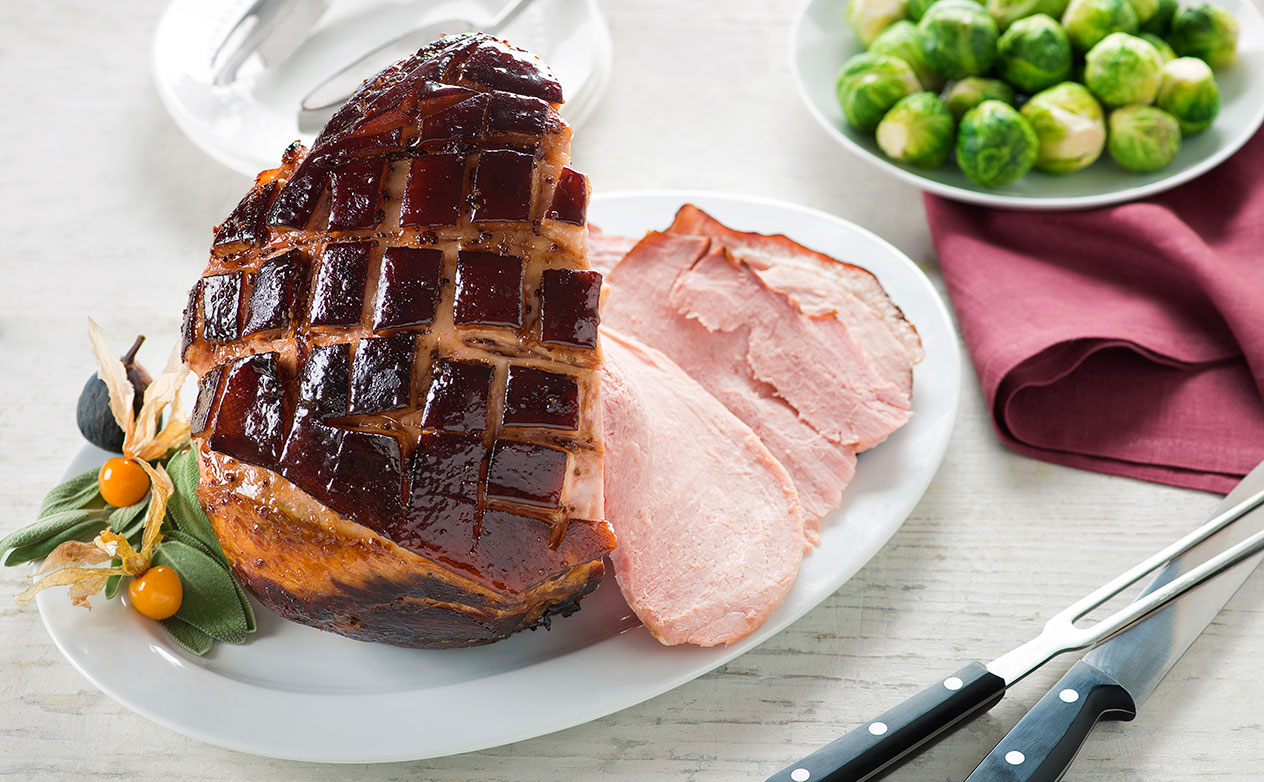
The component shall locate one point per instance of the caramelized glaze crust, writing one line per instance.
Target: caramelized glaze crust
(398, 418)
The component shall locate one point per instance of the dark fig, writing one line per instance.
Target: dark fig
(96, 422)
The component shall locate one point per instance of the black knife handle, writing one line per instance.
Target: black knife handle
(881, 744)
(1042, 745)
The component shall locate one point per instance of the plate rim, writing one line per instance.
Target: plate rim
(1019, 203)
(512, 682)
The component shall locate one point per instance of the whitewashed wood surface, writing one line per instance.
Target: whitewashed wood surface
(106, 210)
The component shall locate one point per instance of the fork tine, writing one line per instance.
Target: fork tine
(1126, 579)
(1136, 611)
(1060, 634)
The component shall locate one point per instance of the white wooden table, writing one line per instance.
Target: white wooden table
(107, 210)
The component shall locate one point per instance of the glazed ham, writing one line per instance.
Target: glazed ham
(709, 524)
(398, 421)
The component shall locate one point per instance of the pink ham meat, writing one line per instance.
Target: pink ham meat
(820, 285)
(605, 250)
(709, 525)
(812, 362)
(819, 467)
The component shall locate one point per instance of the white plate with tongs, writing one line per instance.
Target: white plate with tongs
(243, 79)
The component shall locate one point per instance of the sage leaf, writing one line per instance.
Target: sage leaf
(83, 531)
(184, 506)
(187, 636)
(130, 520)
(74, 494)
(49, 527)
(210, 598)
(219, 557)
(246, 608)
(190, 540)
(113, 582)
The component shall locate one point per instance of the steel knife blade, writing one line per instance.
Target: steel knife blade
(1115, 678)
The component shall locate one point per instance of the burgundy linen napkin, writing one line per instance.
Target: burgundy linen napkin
(1127, 340)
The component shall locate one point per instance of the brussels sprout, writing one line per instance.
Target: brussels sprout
(917, 130)
(1188, 91)
(995, 144)
(870, 84)
(1207, 32)
(958, 38)
(969, 92)
(1160, 45)
(1034, 53)
(917, 8)
(1143, 138)
(868, 18)
(1161, 21)
(1070, 125)
(900, 40)
(1123, 69)
(1145, 9)
(1089, 21)
(1006, 12)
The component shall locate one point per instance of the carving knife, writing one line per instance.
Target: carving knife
(880, 744)
(1114, 679)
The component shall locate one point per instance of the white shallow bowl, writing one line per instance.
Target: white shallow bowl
(247, 123)
(299, 693)
(821, 41)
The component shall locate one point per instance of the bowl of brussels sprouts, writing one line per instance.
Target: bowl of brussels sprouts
(1034, 104)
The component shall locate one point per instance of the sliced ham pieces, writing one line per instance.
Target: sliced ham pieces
(807, 384)
(709, 525)
(813, 362)
(743, 374)
(819, 467)
(819, 285)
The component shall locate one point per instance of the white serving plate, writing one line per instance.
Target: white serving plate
(821, 41)
(295, 692)
(245, 124)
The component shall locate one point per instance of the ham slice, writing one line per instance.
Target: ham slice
(605, 250)
(709, 525)
(812, 361)
(819, 467)
(808, 351)
(820, 285)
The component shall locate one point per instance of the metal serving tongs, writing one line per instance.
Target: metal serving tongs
(882, 743)
(275, 29)
(325, 98)
(272, 29)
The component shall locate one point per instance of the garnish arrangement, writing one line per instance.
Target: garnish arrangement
(139, 513)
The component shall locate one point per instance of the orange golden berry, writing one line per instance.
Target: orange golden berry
(156, 593)
(123, 482)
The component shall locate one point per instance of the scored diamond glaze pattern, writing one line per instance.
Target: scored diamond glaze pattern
(401, 321)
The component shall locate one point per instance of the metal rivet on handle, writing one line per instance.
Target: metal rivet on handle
(953, 683)
(800, 775)
(1069, 696)
(877, 728)
(1014, 757)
